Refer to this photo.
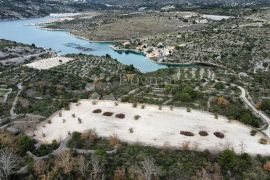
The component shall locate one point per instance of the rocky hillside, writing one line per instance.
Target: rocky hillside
(17, 9)
(182, 2)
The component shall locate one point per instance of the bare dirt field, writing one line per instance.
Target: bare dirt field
(153, 127)
(49, 63)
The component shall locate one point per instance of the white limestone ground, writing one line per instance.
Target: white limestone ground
(216, 17)
(155, 127)
(49, 63)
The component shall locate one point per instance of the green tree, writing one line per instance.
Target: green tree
(219, 86)
(266, 106)
(25, 144)
(76, 141)
(227, 160)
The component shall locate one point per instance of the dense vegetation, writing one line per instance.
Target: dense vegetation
(130, 161)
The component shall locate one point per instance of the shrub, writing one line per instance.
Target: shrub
(46, 149)
(266, 166)
(80, 120)
(253, 132)
(219, 86)
(119, 174)
(50, 121)
(116, 103)
(186, 133)
(89, 135)
(227, 160)
(25, 144)
(265, 106)
(107, 114)
(63, 120)
(134, 105)
(120, 116)
(73, 115)
(185, 145)
(54, 144)
(222, 101)
(75, 141)
(97, 111)
(136, 117)
(67, 107)
(203, 133)
(113, 140)
(263, 141)
(131, 130)
(219, 135)
(143, 106)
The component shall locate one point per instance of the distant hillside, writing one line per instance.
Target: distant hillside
(182, 2)
(16, 9)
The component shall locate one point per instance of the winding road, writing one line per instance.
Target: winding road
(12, 110)
(259, 113)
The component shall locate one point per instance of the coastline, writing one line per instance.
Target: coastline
(76, 36)
(197, 63)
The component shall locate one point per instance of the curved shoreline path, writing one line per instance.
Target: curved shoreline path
(25, 31)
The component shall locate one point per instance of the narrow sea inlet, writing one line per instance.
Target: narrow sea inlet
(25, 31)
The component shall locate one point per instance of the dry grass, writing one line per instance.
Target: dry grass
(267, 166)
(124, 29)
(39, 167)
(185, 145)
(65, 162)
(8, 141)
(89, 135)
(119, 174)
(113, 140)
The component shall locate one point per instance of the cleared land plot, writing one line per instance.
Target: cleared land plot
(123, 29)
(154, 127)
(49, 63)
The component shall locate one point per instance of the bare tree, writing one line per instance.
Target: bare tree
(210, 172)
(83, 166)
(39, 167)
(97, 168)
(7, 163)
(146, 169)
(65, 162)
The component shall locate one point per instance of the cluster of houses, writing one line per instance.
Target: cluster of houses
(159, 52)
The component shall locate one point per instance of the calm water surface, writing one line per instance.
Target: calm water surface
(23, 31)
